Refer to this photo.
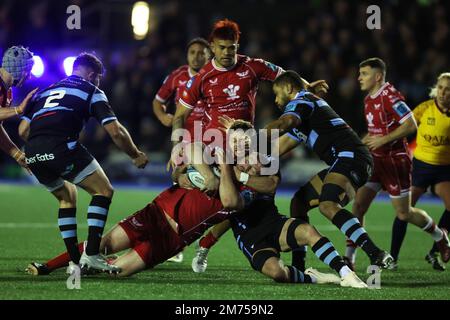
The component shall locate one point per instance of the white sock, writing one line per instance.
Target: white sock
(313, 279)
(344, 271)
(436, 234)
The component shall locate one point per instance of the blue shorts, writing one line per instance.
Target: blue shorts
(425, 175)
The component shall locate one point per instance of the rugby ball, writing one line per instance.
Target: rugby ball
(197, 179)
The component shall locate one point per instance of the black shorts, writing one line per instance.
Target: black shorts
(425, 175)
(356, 166)
(262, 236)
(52, 161)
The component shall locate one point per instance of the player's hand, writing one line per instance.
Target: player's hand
(20, 158)
(141, 160)
(184, 182)
(167, 119)
(211, 185)
(226, 122)
(374, 142)
(21, 107)
(319, 87)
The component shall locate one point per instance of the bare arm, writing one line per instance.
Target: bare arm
(283, 145)
(229, 195)
(284, 123)
(406, 128)
(122, 139)
(159, 109)
(24, 129)
(261, 184)
(6, 113)
(179, 120)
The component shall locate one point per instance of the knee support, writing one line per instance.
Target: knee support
(305, 199)
(290, 234)
(334, 193)
(260, 258)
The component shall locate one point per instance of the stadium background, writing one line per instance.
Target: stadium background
(319, 39)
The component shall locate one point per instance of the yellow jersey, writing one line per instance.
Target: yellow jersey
(433, 134)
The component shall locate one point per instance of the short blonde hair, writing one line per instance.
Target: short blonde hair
(433, 91)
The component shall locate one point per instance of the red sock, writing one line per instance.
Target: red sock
(208, 241)
(62, 260)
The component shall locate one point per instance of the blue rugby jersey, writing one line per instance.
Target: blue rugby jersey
(62, 109)
(321, 128)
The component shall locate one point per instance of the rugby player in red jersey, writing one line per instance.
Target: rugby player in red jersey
(227, 85)
(16, 67)
(198, 54)
(389, 122)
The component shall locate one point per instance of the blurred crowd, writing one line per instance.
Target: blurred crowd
(319, 39)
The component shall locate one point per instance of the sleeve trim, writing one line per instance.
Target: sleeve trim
(109, 119)
(184, 104)
(158, 97)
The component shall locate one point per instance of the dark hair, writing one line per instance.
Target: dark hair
(198, 40)
(89, 60)
(241, 124)
(375, 63)
(290, 77)
(225, 30)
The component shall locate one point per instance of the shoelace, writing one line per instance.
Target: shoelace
(202, 255)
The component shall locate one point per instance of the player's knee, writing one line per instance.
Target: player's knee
(307, 234)
(107, 191)
(300, 205)
(328, 208)
(275, 271)
(404, 215)
(359, 209)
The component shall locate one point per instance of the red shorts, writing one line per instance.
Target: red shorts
(393, 174)
(151, 236)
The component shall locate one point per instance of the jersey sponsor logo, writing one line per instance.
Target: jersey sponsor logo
(40, 158)
(135, 222)
(189, 84)
(393, 186)
(401, 108)
(231, 91)
(213, 81)
(369, 118)
(302, 137)
(431, 121)
(248, 196)
(290, 107)
(181, 82)
(437, 140)
(377, 106)
(271, 65)
(242, 74)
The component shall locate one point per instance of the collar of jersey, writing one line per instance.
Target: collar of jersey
(376, 94)
(300, 94)
(213, 61)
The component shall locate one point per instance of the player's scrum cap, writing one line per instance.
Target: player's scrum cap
(18, 61)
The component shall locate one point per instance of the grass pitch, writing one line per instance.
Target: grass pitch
(29, 232)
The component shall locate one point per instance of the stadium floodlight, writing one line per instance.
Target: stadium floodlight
(38, 67)
(68, 65)
(140, 19)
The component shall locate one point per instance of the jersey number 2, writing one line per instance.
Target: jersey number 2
(54, 95)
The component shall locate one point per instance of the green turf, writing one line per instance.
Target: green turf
(27, 234)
